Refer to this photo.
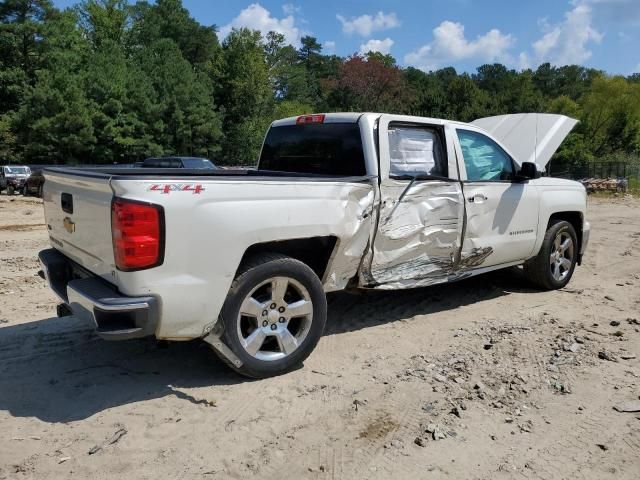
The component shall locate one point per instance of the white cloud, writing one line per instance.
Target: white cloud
(365, 25)
(329, 46)
(291, 9)
(567, 42)
(449, 45)
(382, 46)
(637, 69)
(256, 17)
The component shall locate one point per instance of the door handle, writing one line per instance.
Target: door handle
(477, 198)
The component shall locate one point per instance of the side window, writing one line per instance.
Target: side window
(483, 158)
(416, 150)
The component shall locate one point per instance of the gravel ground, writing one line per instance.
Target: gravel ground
(482, 379)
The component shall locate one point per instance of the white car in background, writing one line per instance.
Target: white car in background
(13, 178)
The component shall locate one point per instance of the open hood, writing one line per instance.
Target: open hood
(530, 137)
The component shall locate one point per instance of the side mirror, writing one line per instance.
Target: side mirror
(528, 171)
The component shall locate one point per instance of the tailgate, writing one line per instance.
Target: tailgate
(77, 207)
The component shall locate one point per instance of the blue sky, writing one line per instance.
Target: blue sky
(430, 34)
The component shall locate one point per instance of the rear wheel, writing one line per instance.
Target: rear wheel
(274, 315)
(554, 265)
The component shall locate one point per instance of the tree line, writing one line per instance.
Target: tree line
(107, 81)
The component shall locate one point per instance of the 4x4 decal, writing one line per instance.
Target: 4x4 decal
(196, 188)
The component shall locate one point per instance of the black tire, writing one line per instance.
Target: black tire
(40, 191)
(25, 191)
(539, 270)
(253, 273)
(10, 190)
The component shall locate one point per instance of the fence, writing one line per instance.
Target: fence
(609, 176)
(618, 170)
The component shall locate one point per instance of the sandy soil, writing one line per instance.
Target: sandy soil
(507, 379)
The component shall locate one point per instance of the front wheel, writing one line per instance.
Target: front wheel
(274, 315)
(553, 267)
(10, 190)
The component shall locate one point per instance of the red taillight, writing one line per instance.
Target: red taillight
(304, 119)
(137, 230)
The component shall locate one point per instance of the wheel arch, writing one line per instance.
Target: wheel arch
(575, 218)
(315, 252)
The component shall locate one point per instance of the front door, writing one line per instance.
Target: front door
(419, 232)
(501, 214)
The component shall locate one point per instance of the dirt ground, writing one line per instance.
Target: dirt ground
(482, 379)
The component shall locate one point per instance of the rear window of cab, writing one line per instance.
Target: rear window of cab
(316, 148)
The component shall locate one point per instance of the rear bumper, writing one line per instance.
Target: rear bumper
(116, 316)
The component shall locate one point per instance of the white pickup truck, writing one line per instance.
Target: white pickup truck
(243, 259)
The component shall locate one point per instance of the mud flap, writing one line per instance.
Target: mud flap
(224, 352)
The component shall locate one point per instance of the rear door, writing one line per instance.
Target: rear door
(419, 230)
(501, 213)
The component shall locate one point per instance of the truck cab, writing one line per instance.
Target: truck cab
(453, 201)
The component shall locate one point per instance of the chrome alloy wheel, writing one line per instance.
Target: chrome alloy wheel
(561, 258)
(275, 318)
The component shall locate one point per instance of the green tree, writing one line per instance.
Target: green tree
(289, 77)
(384, 58)
(181, 113)
(169, 19)
(430, 97)
(104, 22)
(467, 102)
(570, 80)
(247, 96)
(54, 121)
(7, 139)
(22, 25)
(611, 115)
(509, 91)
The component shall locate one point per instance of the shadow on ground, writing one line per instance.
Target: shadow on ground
(57, 370)
(367, 308)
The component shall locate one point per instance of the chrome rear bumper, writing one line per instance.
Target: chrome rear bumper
(116, 316)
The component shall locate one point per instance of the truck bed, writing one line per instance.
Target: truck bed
(204, 213)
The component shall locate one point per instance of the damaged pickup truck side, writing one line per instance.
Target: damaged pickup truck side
(243, 259)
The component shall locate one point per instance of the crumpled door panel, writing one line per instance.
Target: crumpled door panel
(418, 240)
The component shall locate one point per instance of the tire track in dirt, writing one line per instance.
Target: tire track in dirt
(568, 453)
(358, 445)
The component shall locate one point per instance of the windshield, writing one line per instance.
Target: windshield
(17, 170)
(177, 162)
(319, 148)
(197, 163)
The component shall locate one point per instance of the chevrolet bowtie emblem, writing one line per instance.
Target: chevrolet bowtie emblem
(69, 225)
